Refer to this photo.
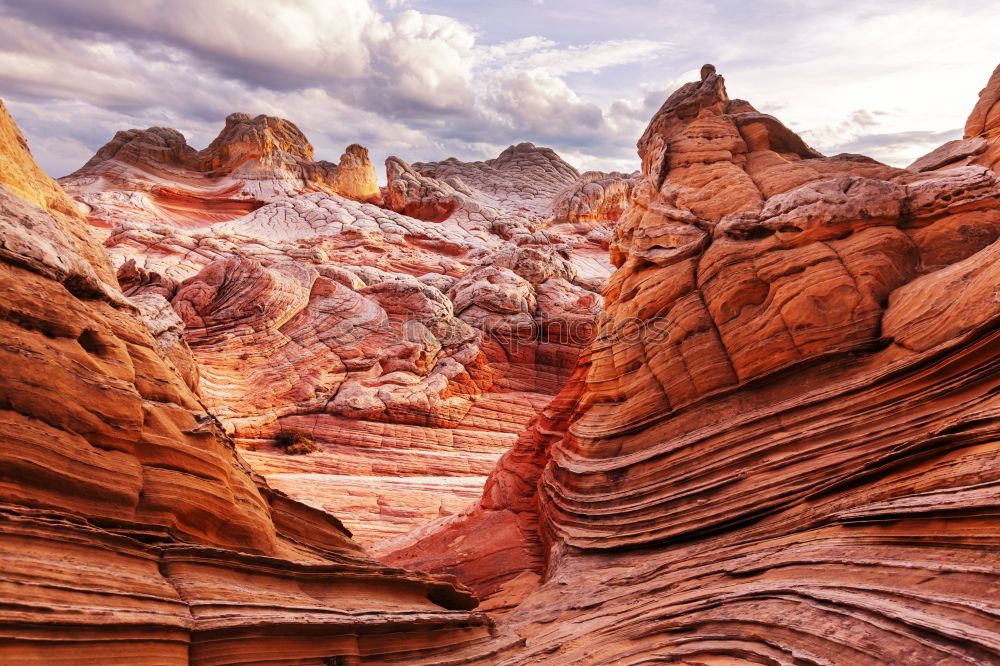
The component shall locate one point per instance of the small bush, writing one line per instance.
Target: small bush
(295, 442)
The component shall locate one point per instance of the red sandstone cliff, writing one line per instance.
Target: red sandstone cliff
(782, 446)
(131, 531)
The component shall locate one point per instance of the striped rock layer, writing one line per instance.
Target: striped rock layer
(783, 445)
(413, 333)
(131, 531)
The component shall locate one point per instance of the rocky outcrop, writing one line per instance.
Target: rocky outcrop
(523, 190)
(979, 145)
(589, 209)
(154, 175)
(422, 197)
(131, 529)
(413, 349)
(781, 446)
(984, 122)
(595, 197)
(519, 183)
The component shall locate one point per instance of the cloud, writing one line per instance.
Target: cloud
(408, 80)
(342, 45)
(914, 66)
(538, 53)
(857, 124)
(900, 148)
(434, 78)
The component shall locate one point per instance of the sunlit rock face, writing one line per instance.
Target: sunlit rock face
(131, 531)
(595, 197)
(984, 123)
(413, 340)
(153, 175)
(782, 445)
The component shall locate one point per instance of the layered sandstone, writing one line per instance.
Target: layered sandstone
(132, 531)
(984, 122)
(595, 197)
(414, 342)
(782, 445)
(522, 181)
(153, 175)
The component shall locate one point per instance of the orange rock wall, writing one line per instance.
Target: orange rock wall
(783, 446)
(131, 531)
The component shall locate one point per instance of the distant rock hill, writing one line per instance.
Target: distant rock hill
(154, 175)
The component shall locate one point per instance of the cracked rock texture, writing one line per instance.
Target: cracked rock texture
(131, 531)
(414, 341)
(596, 196)
(782, 445)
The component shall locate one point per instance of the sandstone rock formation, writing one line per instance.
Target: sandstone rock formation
(155, 176)
(131, 531)
(782, 445)
(596, 196)
(413, 343)
(979, 145)
(589, 208)
(984, 122)
(521, 182)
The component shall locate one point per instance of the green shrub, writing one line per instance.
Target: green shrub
(295, 442)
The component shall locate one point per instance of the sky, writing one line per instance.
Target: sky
(430, 79)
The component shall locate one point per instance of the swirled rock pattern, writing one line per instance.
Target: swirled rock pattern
(154, 175)
(413, 341)
(589, 209)
(596, 196)
(521, 182)
(782, 445)
(131, 531)
(513, 195)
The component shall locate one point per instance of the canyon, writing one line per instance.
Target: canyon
(413, 334)
(739, 407)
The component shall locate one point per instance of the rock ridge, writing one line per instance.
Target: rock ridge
(781, 444)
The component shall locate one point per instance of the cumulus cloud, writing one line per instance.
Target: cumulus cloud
(897, 147)
(407, 80)
(430, 79)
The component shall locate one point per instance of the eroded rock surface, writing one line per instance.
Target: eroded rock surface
(595, 197)
(131, 531)
(521, 182)
(153, 175)
(782, 445)
(413, 341)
